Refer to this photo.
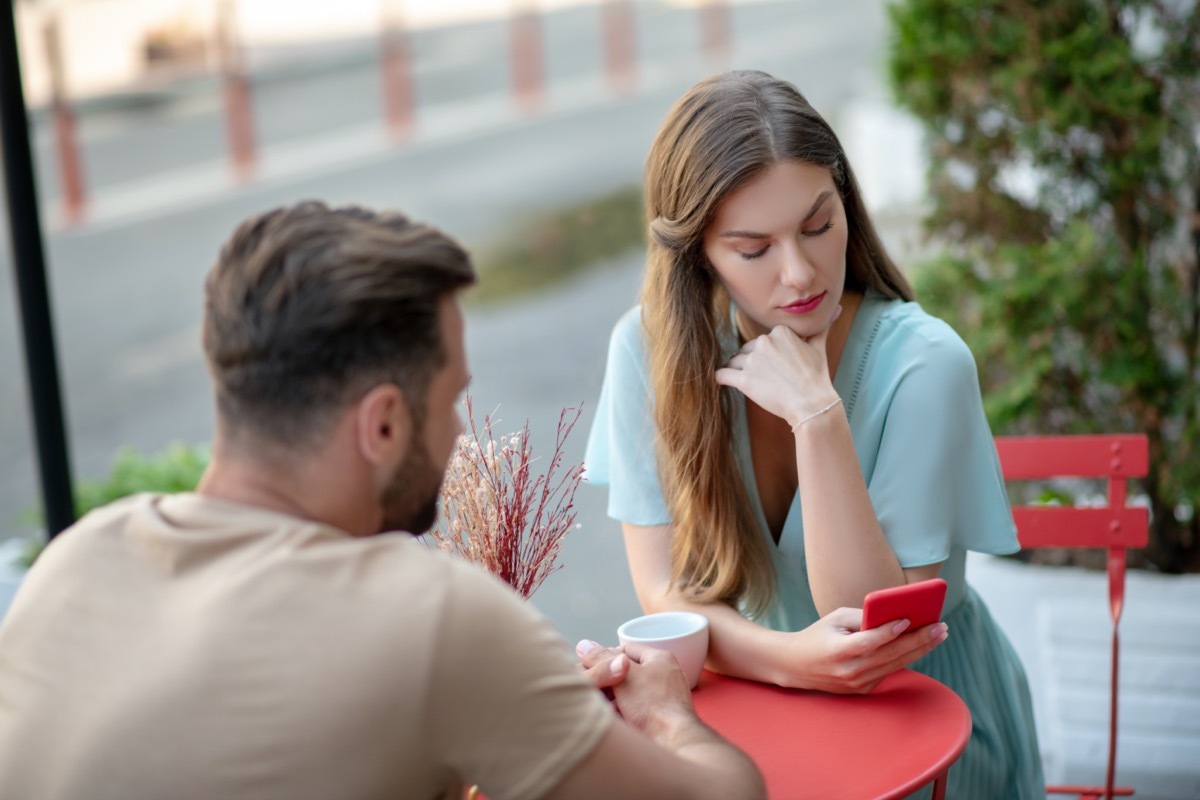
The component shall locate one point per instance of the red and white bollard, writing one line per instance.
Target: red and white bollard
(70, 165)
(716, 32)
(239, 110)
(395, 63)
(239, 124)
(526, 47)
(620, 44)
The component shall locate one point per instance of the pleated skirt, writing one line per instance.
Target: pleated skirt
(1002, 760)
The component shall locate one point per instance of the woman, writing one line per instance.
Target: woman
(783, 430)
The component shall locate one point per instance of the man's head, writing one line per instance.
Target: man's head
(313, 312)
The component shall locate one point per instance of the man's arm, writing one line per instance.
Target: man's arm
(660, 749)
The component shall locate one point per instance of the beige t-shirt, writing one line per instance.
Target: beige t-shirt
(179, 647)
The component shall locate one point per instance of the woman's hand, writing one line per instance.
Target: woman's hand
(783, 373)
(833, 655)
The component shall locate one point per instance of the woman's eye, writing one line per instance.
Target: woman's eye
(752, 256)
(820, 230)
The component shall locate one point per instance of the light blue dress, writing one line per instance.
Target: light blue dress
(911, 393)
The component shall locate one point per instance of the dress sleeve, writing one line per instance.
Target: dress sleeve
(620, 449)
(509, 708)
(937, 481)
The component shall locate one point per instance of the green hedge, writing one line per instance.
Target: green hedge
(1064, 149)
(177, 468)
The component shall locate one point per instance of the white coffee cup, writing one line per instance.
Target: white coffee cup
(683, 633)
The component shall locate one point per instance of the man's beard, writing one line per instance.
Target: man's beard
(410, 500)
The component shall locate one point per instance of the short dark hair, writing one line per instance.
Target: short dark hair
(308, 307)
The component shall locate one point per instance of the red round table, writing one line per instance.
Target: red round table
(903, 735)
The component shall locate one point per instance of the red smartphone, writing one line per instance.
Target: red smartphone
(920, 603)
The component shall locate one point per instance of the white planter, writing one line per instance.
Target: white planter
(1058, 621)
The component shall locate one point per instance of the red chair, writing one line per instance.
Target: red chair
(1115, 527)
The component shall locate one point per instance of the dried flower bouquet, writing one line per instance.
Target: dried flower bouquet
(497, 513)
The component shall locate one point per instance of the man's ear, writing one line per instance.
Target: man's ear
(384, 425)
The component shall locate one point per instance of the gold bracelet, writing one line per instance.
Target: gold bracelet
(815, 414)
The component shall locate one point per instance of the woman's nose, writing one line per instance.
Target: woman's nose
(797, 271)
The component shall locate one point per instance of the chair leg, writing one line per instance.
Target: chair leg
(1110, 776)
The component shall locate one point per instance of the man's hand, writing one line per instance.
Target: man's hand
(605, 667)
(660, 748)
(646, 684)
(655, 697)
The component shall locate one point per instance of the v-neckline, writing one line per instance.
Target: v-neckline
(750, 479)
(846, 382)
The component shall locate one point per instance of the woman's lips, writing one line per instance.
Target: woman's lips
(805, 306)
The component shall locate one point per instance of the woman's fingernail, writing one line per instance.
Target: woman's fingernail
(586, 646)
(618, 664)
(937, 630)
(900, 626)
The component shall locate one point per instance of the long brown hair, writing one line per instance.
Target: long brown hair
(723, 132)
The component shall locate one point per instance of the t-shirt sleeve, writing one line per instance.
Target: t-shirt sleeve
(620, 449)
(937, 480)
(511, 711)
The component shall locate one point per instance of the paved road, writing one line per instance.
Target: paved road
(126, 287)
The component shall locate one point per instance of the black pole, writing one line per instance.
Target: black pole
(33, 296)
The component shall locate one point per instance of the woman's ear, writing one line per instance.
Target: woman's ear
(384, 425)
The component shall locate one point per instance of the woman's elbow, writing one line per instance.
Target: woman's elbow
(654, 599)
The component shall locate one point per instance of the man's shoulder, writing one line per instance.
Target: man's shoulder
(190, 535)
(116, 511)
(473, 606)
(462, 595)
(423, 563)
(113, 518)
(187, 534)
(478, 595)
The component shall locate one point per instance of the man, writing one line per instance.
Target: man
(258, 639)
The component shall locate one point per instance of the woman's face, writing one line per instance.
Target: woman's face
(778, 245)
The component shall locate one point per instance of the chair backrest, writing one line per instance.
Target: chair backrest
(1114, 526)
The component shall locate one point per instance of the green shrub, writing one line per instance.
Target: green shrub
(1064, 144)
(177, 468)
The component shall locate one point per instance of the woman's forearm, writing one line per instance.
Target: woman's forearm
(829, 655)
(844, 546)
(736, 646)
